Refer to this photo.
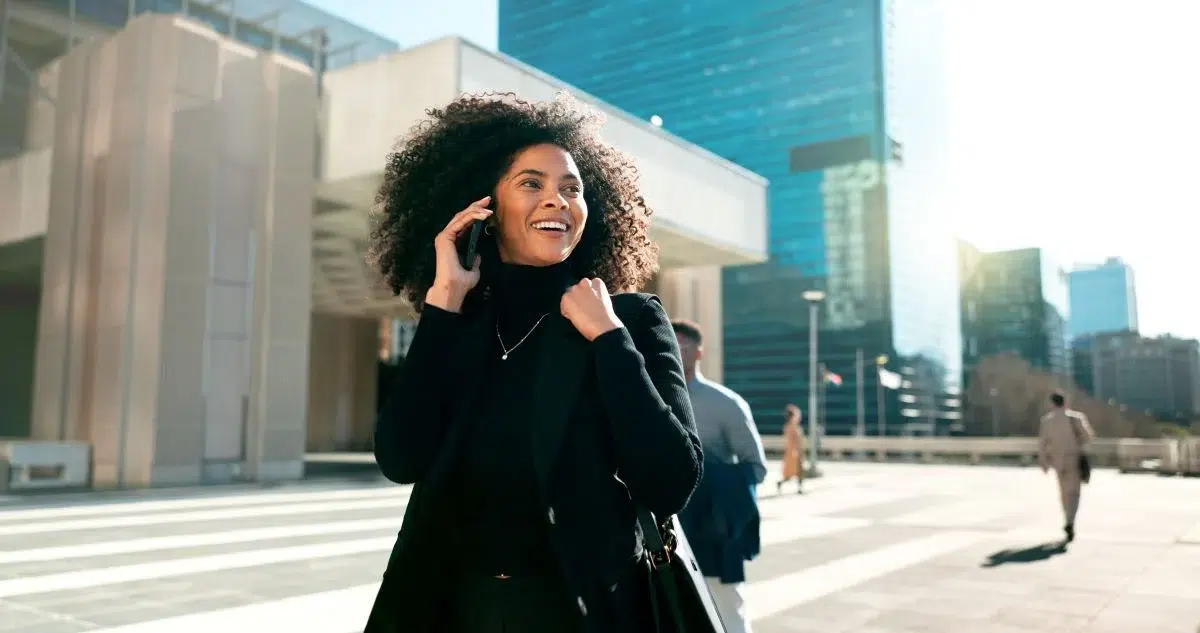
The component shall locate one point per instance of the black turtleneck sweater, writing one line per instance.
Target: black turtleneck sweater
(503, 524)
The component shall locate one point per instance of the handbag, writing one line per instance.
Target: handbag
(679, 597)
(1085, 465)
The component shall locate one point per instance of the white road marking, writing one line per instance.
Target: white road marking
(43, 527)
(111, 548)
(130, 507)
(829, 502)
(971, 513)
(779, 531)
(776, 595)
(341, 611)
(183, 566)
(346, 610)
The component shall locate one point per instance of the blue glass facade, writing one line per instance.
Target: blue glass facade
(798, 92)
(1103, 299)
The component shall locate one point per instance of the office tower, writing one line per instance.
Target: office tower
(1014, 302)
(1103, 299)
(839, 105)
(1157, 376)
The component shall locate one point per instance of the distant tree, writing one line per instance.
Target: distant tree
(1005, 395)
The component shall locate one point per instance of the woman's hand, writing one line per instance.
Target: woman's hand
(588, 307)
(452, 282)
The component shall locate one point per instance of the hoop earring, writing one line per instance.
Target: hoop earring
(489, 229)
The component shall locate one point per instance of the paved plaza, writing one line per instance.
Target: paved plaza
(870, 548)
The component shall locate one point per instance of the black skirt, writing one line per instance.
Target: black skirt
(483, 603)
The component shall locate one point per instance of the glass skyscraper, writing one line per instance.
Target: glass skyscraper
(837, 103)
(1103, 299)
(1014, 302)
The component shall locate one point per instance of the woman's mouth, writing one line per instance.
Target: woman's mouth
(551, 226)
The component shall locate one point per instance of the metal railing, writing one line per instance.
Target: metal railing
(1166, 456)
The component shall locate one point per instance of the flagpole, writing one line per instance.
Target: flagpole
(881, 424)
(861, 429)
(823, 403)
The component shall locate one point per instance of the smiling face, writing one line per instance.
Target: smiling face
(540, 211)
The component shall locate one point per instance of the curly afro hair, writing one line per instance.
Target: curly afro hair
(458, 155)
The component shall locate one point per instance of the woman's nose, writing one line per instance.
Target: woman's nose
(555, 201)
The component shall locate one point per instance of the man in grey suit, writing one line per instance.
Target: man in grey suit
(728, 435)
(1064, 436)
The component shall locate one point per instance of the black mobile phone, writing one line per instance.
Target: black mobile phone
(467, 248)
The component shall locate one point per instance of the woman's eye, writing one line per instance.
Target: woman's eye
(575, 189)
(531, 183)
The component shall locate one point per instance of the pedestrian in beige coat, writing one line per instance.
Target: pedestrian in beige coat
(793, 451)
(1064, 437)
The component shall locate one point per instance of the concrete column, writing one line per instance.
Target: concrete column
(175, 312)
(695, 294)
(342, 386)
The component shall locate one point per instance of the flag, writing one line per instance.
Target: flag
(889, 379)
(833, 378)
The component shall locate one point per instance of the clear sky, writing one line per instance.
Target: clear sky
(1074, 126)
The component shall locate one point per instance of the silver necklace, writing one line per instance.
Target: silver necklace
(508, 351)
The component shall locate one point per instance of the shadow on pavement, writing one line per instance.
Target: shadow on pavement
(1033, 554)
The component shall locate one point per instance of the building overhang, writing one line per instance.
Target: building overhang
(707, 211)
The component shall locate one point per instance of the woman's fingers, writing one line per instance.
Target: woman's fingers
(476, 211)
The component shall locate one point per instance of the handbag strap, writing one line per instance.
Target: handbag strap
(660, 566)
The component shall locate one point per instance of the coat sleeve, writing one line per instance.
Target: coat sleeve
(645, 396)
(412, 422)
(1043, 443)
(743, 437)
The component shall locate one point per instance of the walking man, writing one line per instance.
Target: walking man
(721, 520)
(1063, 439)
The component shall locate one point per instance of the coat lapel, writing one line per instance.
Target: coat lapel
(562, 365)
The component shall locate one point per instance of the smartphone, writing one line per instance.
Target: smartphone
(468, 247)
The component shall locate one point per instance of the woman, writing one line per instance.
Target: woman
(793, 451)
(535, 409)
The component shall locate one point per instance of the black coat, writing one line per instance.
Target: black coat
(612, 423)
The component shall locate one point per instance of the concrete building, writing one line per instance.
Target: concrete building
(185, 224)
(1103, 299)
(1159, 376)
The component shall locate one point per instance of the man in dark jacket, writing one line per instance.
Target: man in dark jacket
(721, 520)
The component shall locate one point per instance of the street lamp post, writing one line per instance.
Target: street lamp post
(992, 393)
(814, 299)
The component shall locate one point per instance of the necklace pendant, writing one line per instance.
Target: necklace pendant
(504, 357)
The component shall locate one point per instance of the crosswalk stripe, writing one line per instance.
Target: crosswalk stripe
(195, 565)
(830, 502)
(160, 543)
(962, 514)
(773, 532)
(345, 610)
(340, 611)
(130, 507)
(43, 527)
(769, 597)
(778, 531)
